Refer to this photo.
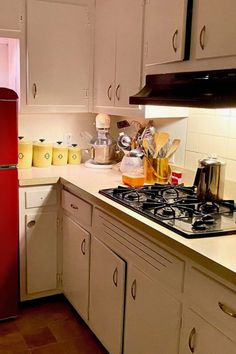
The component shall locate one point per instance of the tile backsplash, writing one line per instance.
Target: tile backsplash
(212, 131)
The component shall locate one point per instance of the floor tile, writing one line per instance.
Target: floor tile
(38, 337)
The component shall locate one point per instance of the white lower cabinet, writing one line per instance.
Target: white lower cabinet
(107, 291)
(40, 242)
(200, 337)
(76, 246)
(131, 309)
(41, 251)
(152, 320)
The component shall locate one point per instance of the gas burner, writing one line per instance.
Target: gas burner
(208, 207)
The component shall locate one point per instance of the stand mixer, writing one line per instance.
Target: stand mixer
(102, 146)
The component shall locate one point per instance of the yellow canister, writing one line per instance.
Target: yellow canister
(74, 155)
(42, 154)
(60, 154)
(25, 153)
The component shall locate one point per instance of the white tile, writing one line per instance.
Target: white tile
(192, 142)
(230, 173)
(231, 149)
(192, 158)
(232, 127)
(213, 145)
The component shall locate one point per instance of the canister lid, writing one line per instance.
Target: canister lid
(41, 143)
(21, 141)
(59, 145)
(211, 160)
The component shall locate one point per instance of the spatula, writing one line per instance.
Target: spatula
(160, 140)
(174, 146)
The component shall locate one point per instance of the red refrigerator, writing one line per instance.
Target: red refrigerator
(8, 204)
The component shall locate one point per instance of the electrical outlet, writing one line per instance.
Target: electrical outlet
(68, 138)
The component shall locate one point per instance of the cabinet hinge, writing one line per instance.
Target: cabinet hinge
(146, 2)
(85, 93)
(59, 280)
(88, 17)
(21, 19)
(145, 49)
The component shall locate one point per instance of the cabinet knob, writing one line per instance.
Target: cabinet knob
(109, 93)
(202, 37)
(34, 89)
(227, 310)
(174, 38)
(31, 224)
(82, 247)
(115, 277)
(134, 289)
(73, 206)
(191, 340)
(118, 92)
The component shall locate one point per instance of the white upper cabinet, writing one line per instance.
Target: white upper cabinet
(215, 28)
(165, 30)
(11, 15)
(118, 49)
(58, 44)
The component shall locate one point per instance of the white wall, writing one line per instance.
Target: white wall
(212, 132)
(56, 127)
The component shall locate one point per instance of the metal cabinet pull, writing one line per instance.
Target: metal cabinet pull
(134, 289)
(74, 207)
(202, 37)
(34, 89)
(227, 310)
(31, 224)
(83, 246)
(115, 277)
(191, 340)
(118, 92)
(174, 37)
(109, 92)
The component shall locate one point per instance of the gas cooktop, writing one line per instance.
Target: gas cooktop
(178, 209)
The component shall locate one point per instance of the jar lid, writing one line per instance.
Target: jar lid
(23, 142)
(42, 142)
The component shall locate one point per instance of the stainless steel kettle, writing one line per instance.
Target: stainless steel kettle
(209, 179)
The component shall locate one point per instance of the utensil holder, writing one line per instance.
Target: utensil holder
(156, 170)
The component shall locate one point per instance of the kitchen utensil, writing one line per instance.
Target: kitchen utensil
(103, 146)
(74, 155)
(172, 149)
(42, 154)
(59, 154)
(136, 153)
(129, 164)
(209, 179)
(156, 170)
(25, 153)
(160, 139)
(124, 142)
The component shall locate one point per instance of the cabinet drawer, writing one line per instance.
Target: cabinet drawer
(213, 299)
(81, 210)
(40, 198)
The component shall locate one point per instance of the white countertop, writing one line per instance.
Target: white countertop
(220, 250)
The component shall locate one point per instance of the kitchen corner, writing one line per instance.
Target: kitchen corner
(217, 253)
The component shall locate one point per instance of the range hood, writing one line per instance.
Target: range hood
(204, 89)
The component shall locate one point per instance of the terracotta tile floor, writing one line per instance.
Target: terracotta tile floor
(48, 326)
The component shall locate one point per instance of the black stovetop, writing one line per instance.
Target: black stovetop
(178, 209)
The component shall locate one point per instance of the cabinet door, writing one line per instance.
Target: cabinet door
(152, 320)
(41, 251)
(58, 54)
(104, 83)
(129, 17)
(76, 245)
(199, 337)
(215, 28)
(164, 28)
(107, 286)
(11, 14)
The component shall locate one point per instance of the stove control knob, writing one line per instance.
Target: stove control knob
(199, 225)
(208, 219)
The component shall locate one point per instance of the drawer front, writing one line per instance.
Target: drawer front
(158, 263)
(40, 198)
(78, 208)
(213, 299)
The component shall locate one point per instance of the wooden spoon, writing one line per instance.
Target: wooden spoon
(160, 140)
(174, 146)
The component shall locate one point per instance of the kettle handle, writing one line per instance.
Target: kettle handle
(197, 176)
